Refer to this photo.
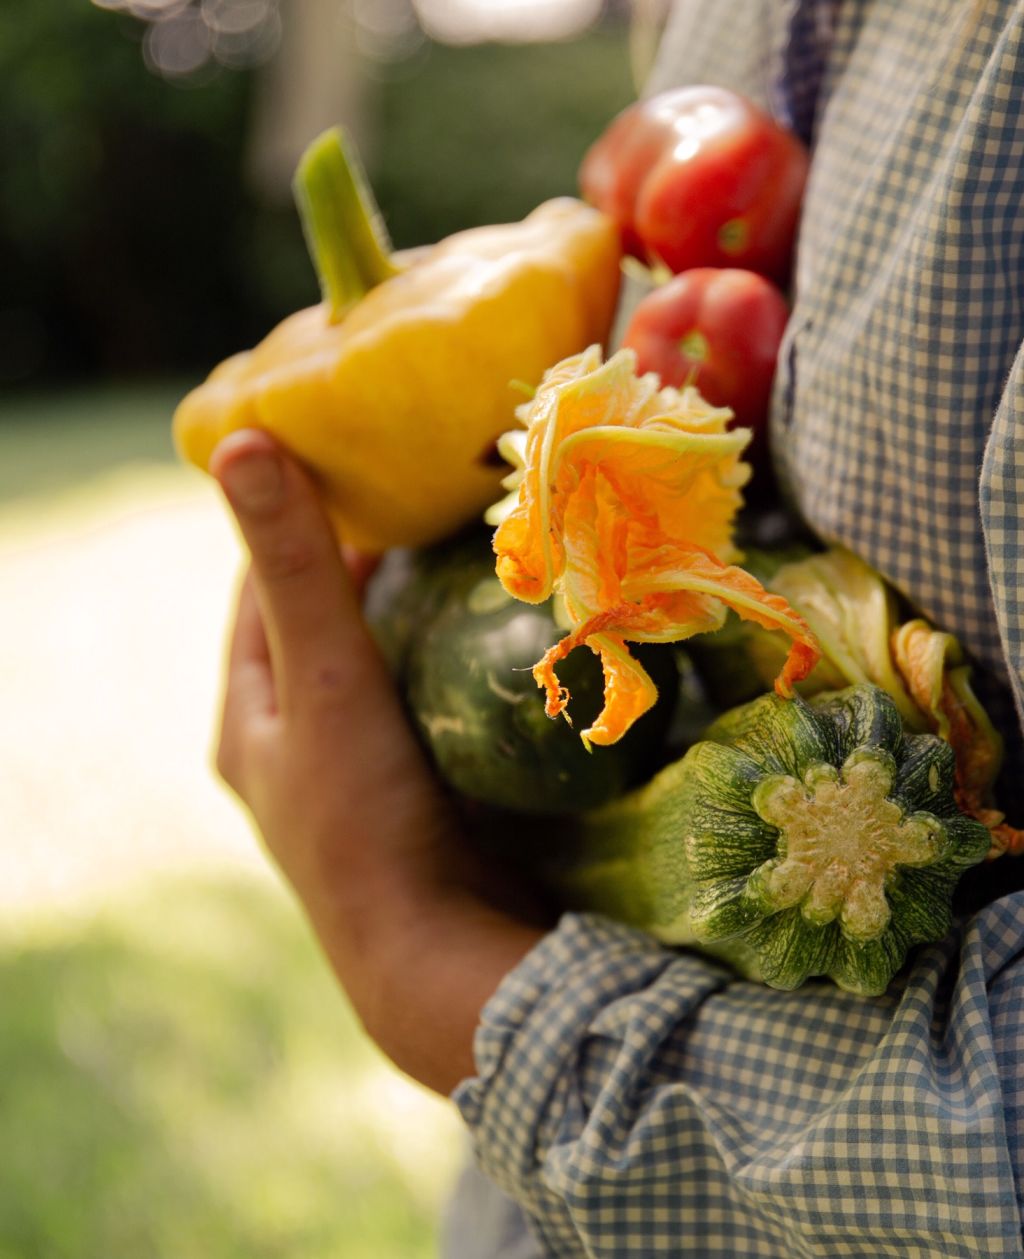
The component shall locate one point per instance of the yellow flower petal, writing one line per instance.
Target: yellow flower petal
(625, 495)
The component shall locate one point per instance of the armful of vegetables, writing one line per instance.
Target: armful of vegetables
(795, 839)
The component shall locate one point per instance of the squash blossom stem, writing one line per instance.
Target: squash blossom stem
(344, 229)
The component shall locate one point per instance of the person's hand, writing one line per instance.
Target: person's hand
(314, 741)
(313, 738)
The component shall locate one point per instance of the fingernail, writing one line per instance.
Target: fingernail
(255, 483)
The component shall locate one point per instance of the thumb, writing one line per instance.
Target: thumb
(320, 649)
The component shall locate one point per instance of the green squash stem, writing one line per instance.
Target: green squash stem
(344, 229)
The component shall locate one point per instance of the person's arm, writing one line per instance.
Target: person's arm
(315, 743)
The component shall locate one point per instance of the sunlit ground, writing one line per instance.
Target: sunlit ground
(178, 1074)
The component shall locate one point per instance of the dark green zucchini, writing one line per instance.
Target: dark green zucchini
(462, 649)
(481, 714)
(410, 586)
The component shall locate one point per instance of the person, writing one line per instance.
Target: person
(623, 1098)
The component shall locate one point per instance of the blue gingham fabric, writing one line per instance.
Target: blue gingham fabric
(635, 1101)
(640, 1102)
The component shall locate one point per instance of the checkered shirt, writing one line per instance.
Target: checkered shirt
(636, 1101)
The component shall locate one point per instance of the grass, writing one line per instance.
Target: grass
(181, 1075)
(182, 1079)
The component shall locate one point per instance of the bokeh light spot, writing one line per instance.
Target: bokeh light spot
(156, 10)
(386, 30)
(513, 21)
(236, 17)
(251, 46)
(178, 46)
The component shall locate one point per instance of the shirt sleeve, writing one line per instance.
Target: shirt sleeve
(638, 1101)
(1002, 512)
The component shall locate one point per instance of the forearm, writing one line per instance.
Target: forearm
(418, 965)
(418, 930)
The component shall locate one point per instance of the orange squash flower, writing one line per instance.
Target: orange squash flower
(622, 501)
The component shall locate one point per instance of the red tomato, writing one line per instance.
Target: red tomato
(700, 177)
(719, 330)
(617, 163)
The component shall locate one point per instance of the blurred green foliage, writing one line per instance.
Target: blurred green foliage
(120, 198)
(184, 1079)
(129, 239)
(484, 134)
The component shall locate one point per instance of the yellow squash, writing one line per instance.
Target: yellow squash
(397, 401)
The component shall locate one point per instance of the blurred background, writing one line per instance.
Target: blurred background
(178, 1074)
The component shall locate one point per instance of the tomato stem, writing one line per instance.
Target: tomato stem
(694, 346)
(733, 236)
